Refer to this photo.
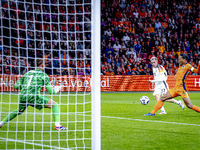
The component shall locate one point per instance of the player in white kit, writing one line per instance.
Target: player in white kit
(161, 86)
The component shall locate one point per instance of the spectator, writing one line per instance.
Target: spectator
(151, 30)
(187, 48)
(118, 72)
(15, 68)
(88, 71)
(117, 62)
(109, 60)
(64, 59)
(179, 51)
(161, 47)
(126, 38)
(116, 47)
(132, 29)
(145, 72)
(174, 69)
(138, 47)
(80, 48)
(6, 68)
(109, 51)
(80, 71)
(123, 47)
(157, 24)
(108, 32)
(130, 49)
(164, 26)
(55, 64)
(72, 72)
(137, 71)
(118, 14)
(152, 54)
(110, 72)
(131, 59)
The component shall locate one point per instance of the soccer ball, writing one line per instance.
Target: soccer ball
(144, 100)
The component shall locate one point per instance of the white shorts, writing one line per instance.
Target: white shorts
(160, 91)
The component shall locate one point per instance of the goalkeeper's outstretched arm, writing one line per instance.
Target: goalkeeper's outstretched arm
(51, 90)
(18, 85)
(54, 90)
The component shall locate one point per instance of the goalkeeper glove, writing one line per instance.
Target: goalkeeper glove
(57, 89)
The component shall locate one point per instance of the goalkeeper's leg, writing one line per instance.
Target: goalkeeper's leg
(56, 114)
(11, 116)
(22, 107)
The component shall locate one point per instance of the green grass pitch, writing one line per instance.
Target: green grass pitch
(123, 126)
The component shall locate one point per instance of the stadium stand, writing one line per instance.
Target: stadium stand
(132, 31)
(164, 29)
(44, 29)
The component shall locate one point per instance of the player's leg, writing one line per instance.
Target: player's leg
(13, 114)
(173, 100)
(49, 103)
(160, 103)
(157, 96)
(190, 105)
(176, 102)
(157, 93)
(186, 99)
(55, 109)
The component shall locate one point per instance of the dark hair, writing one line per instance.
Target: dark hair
(39, 62)
(184, 56)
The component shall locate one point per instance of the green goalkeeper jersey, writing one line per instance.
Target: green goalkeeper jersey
(32, 82)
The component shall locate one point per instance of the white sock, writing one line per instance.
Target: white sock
(175, 101)
(162, 109)
(57, 124)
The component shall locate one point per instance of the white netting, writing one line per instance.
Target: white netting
(59, 32)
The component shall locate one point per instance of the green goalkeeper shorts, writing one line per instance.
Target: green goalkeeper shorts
(38, 102)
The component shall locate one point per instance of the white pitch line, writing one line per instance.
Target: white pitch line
(179, 123)
(36, 144)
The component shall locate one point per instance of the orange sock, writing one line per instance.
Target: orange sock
(158, 105)
(196, 108)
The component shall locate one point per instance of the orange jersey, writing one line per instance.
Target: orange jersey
(181, 77)
(110, 73)
(182, 74)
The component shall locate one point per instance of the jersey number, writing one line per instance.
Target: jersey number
(163, 92)
(30, 78)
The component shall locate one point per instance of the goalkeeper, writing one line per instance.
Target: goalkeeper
(30, 85)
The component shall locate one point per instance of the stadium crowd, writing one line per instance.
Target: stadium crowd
(57, 30)
(135, 31)
(132, 32)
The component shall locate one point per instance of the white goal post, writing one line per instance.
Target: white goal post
(96, 97)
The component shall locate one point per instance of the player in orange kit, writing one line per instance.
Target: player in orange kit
(181, 88)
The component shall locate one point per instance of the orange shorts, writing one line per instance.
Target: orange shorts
(178, 91)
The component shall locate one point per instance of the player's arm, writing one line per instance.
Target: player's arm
(50, 90)
(19, 83)
(196, 70)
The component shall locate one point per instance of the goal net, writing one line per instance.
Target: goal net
(65, 34)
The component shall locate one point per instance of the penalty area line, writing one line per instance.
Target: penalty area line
(36, 144)
(178, 123)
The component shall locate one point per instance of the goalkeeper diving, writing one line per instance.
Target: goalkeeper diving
(30, 85)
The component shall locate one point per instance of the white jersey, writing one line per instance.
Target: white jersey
(160, 77)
